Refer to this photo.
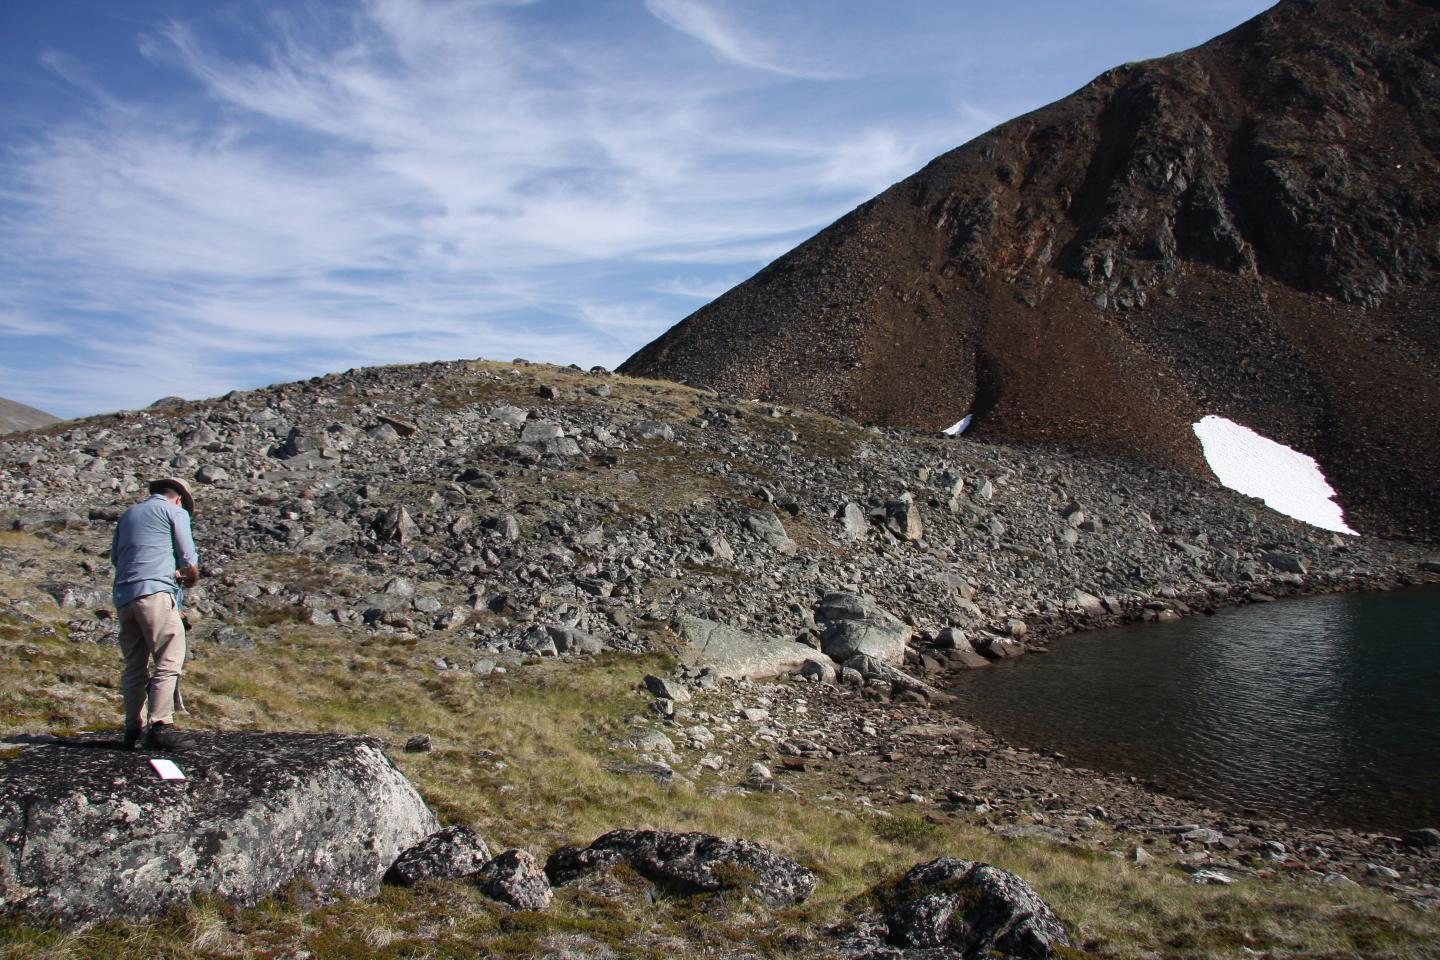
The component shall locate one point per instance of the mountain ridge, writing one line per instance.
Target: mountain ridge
(16, 416)
(1248, 228)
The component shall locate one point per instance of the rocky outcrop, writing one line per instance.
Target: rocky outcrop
(951, 909)
(1247, 229)
(689, 863)
(90, 832)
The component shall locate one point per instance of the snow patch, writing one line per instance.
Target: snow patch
(1287, 480)
(960, 427)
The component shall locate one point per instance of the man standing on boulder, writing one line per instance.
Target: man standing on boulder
(154, 557)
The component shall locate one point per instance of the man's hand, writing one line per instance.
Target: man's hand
(188, 577)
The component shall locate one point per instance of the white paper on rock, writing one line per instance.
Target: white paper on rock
(1288, 481)
(166, 768)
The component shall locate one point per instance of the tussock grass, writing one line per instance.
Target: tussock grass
(522, 759)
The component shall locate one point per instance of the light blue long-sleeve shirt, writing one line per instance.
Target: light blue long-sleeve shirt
(152, 541)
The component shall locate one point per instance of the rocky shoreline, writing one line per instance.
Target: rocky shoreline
(911, 759)
(481, 516)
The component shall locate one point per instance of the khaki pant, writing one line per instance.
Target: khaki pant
(151, 627)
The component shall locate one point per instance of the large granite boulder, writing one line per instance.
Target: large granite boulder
(89, 831)
(689, 863)
(735, 654)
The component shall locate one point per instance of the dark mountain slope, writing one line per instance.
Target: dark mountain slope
(1249, 228)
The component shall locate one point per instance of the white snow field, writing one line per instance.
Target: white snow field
(959, 428)
(1287, 480)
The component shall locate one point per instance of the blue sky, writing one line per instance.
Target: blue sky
(198, 197)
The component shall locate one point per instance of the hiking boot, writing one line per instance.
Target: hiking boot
(132, 737)
(164, 736)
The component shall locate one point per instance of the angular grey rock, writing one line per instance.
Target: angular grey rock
(853, 522)
(734, 654)
(902, 518)
(856, 625)
(653, 430)
(822, 670)
(1091, 604)
(1285, 562)
(89, 833)
(573, 640)
(538, 431)
(300, 441)
(871, 669)
(690, 863)
(962, 651)
(509, 416)
(768, 527)
(847, 638)
(515, 878)
(404, 428)
(562, 447)
(997, 647)
(210, 474)
(973, 908)
(720, 549)
(446, 854)
(396, 526)
(666, 689)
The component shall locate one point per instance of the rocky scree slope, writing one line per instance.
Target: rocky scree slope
(529, 510)
(1250, 228)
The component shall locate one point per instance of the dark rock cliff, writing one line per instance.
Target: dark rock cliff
(1250, 228)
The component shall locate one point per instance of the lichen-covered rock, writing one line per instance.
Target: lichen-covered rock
(515, 878)
(973, 908)
(89, 832)
(444, 855)
(690, 862)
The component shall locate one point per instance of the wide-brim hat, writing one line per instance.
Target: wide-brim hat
(187, 500)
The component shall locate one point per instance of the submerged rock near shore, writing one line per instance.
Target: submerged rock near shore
(90, 832)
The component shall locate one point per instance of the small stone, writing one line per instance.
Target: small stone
(420, 743)
(515, 878)
(1212, 878)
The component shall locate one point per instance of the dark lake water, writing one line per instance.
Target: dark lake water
(1324, 710)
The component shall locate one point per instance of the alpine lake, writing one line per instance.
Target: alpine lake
(1322, 710)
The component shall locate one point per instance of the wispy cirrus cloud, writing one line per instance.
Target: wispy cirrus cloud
(253, 190)
(712, 26)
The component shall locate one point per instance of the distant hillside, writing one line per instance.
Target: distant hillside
(16, 416)
(1250, 228)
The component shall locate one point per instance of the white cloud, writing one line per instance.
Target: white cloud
(729, 40)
